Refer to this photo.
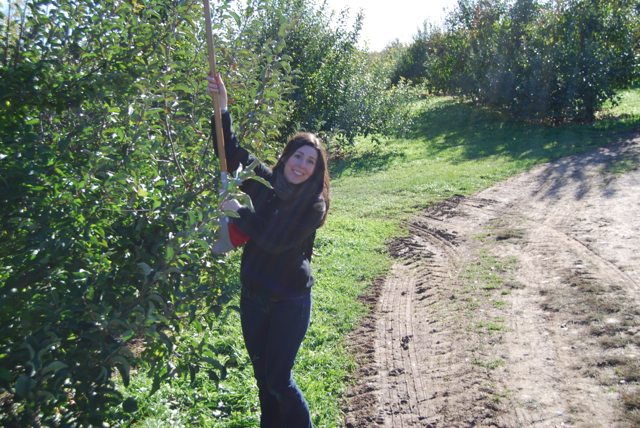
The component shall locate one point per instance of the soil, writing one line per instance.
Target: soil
(517, 306)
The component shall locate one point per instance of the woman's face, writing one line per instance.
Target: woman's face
(301, 164)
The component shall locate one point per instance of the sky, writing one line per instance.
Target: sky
(385, 21)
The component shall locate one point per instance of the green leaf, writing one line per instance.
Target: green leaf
(123, 368)
(235, 308)
(152, 111)
(251, 167)
(170, 254)
(126, 352)
(197, 325)
(45, 396)
(120, 177)
(236, 17)
(213, 376)
(54, 367)
(231, 213)
(246, 200)
(30, 344)
(182, 87)
(193, 371)
(102, 375)
(215, 363)
(262, 180)
(121, 322)
(159, 299)
(204, 244)
(145, 268)
(127, 335)
(130, 405)
(63, 144)
(23, 386)
(157, 380)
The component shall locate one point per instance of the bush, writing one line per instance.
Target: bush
(109, 198)
(539, 61)
(340, 91)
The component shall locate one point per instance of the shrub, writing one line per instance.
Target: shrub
(340, 91)
(109, 198)
(540, 61)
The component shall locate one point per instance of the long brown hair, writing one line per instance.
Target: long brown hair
(317, 185)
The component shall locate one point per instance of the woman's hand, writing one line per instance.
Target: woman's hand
(231, 205)
(216, 88)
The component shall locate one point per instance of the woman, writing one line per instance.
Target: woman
(275, 271)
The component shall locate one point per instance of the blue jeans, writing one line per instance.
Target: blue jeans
(273, 331)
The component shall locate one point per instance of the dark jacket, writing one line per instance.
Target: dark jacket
(276, 259)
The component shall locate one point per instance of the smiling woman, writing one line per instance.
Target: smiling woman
(276, 262)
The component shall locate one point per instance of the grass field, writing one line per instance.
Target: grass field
(455, 148)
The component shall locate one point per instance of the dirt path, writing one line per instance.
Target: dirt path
(515, 307)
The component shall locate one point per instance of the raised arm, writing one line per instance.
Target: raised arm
(235, 154)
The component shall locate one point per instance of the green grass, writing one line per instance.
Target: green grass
(493, 364)
(487, 271)
(497, 324)
(455, 148)
(622, 164)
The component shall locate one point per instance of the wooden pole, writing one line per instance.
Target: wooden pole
(217, 114)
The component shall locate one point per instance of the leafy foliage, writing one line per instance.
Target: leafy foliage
(340, 92)
(110, 197)
(540, 61)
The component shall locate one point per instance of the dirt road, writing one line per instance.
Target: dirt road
(515, 307)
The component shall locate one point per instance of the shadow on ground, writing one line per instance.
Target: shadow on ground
(369, 162)
(476, 132)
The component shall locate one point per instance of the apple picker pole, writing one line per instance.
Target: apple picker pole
(217, 114)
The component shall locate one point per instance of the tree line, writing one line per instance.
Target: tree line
(543, 61)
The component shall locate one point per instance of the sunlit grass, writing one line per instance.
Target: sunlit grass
(628, 105)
